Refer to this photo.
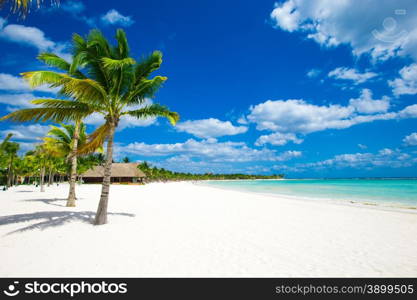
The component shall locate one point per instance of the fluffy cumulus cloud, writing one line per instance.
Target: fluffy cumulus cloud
(31, 36)
(352, 75)
(411, 140)
(365, 104)
(406, 84)
(210, 128)
(113, 17)
(278, 139)
(209, 150)
(299, 117)
(26, 35)
(389, 29)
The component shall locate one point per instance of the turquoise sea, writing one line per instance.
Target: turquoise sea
(384, 192)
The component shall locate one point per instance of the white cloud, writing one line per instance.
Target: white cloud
(242, 121)
(363, 147)
(26, 35)
(298, 116)
(383, 158)
(15, 101)
(411, 140)
(287, 16)
(313, 73)
(365, 104)
(407, 83)
(115, 18)
(209, 150)
(31, 36)
(408, 112)
(12, 83)
(207, 128)
(26, 132)
(351, 74)
(278, 139)
(384, 34)
(386, 152)
(287, 155)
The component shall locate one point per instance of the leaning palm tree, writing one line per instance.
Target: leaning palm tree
(117, 86)
(66, 140)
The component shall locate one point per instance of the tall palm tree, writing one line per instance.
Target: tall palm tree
(117, 86)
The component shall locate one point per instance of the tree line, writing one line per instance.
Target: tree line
(154, 173)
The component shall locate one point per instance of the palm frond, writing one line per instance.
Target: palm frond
(56, 113)
(122, 49)
(66, 104)
(95, 140)
(79, 89)
(148, 64)
(117, 64)
(145, 89)
(155, 110)
(55, 61)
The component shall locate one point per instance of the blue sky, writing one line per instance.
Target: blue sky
(296, 87)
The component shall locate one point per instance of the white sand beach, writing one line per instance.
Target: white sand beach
(186, 230)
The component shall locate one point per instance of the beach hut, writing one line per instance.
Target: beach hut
(120, 173)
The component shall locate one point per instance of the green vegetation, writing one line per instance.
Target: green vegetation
(103, 79)
(161, 174)
(46, 164)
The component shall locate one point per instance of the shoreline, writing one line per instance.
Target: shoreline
(348, 202)
(180, 229)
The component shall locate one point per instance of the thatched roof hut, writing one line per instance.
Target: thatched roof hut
(120, 172)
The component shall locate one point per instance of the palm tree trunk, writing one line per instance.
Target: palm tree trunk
(10, 173)
(73, 178)
(50, 176)
(42, 179)
(101, 215)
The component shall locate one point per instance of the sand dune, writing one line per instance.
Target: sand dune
(182, 230)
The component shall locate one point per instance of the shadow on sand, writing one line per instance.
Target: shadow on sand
(48, 219)
(48, 201)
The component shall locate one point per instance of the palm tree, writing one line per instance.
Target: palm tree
(67, 139)
(117, 86)
(10, 149)
(126, 160)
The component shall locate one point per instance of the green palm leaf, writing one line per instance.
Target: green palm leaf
(155, 110)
